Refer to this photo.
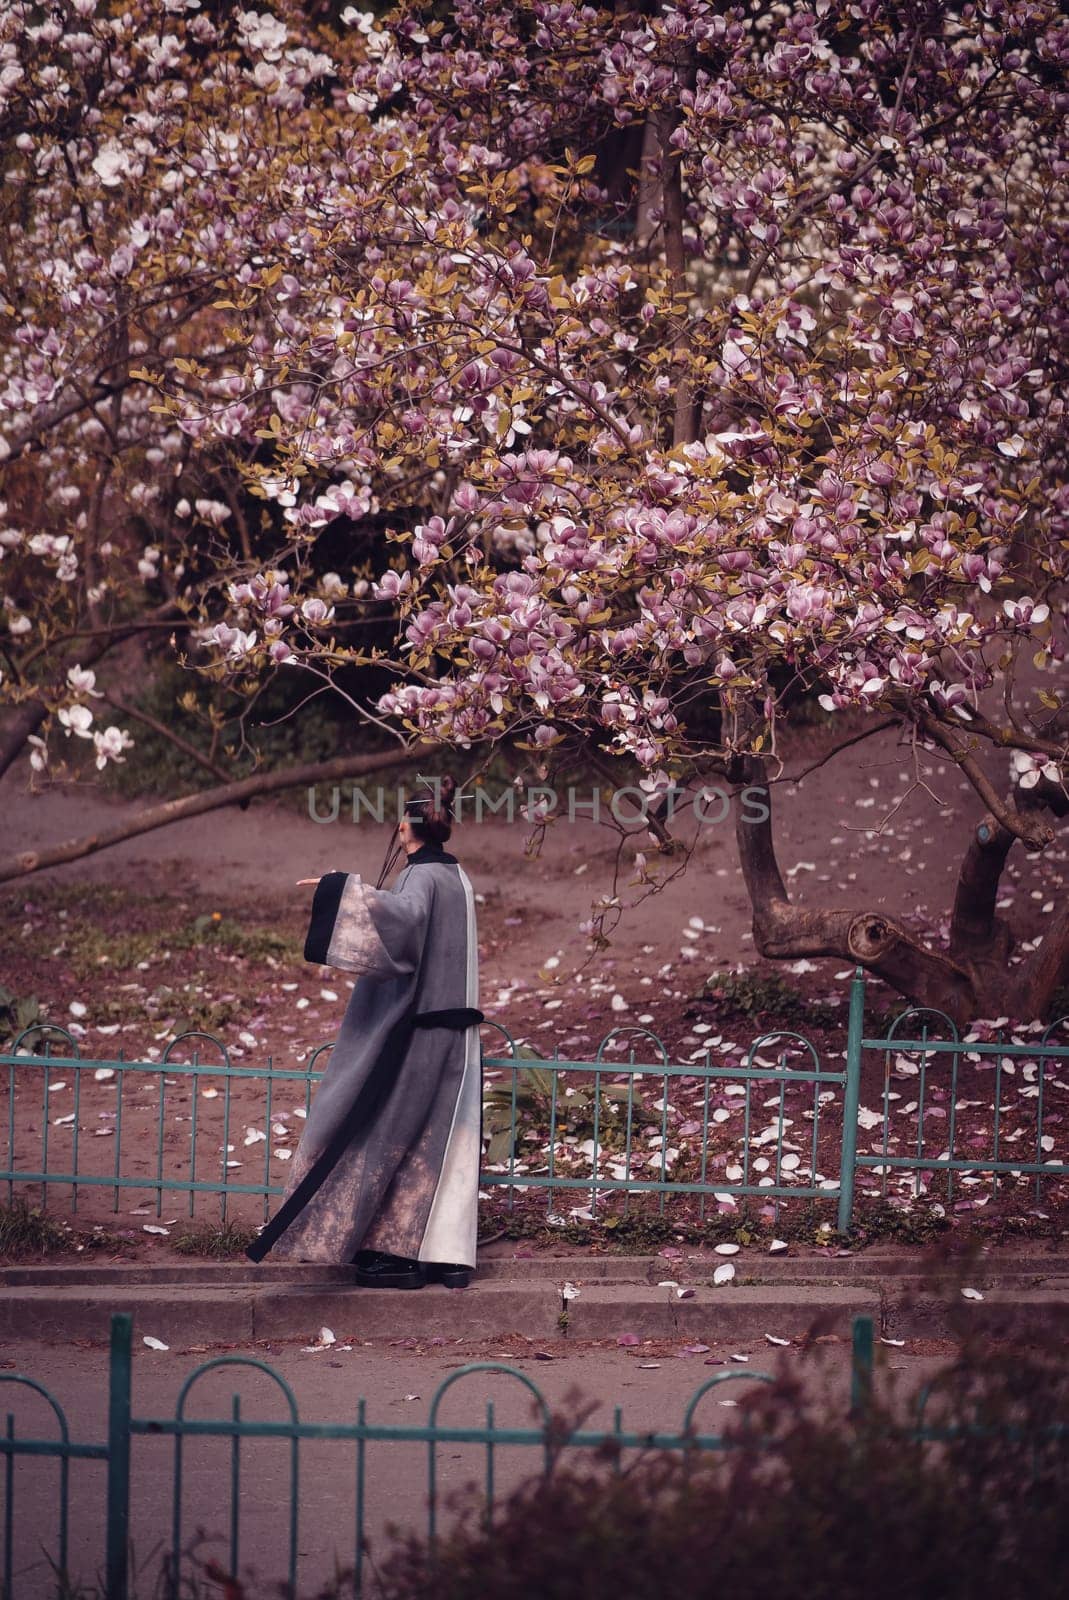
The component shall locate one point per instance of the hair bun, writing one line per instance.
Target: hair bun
(430, 811)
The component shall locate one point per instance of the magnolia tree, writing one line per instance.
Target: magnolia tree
(692, 361)
(142, 161)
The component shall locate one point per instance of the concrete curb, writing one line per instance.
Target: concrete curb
(242, 1316)
(891, 1271)
(211, 1315)
(224, 1304)
(606, 1311)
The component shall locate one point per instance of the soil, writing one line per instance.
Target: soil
(201, 925)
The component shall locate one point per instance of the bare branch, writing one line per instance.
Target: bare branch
(837, 749)
(1034, 834)
(169, 734)
(196, 805)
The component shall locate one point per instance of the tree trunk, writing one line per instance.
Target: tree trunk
(1048, 969)
(972, 980)
(974, 927)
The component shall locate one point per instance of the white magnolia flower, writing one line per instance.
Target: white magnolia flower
(1025, 610)
(212, 511)
(111, 164)
(148, 566)
(263, 33)
(82, 681)
(110, 745)
(1026, 769)
(734, 355)
(234, 641)
(77, 719)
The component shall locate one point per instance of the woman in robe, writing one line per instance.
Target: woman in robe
(387, 1170)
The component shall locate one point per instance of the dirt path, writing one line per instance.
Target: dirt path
(201, 925)
(869, 828)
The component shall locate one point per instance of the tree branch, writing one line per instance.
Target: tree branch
(870, 939)
(1033, 833)
(837, 749)
(195, 805)
(32, 714)
(169, 734)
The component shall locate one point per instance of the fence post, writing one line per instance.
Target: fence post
(855, 1032)
(861, 1370)
(118, 1507)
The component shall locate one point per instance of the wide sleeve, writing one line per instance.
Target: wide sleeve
(376, 932)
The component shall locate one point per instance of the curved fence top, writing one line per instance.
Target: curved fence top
(922, 1011)
(234, 1361)
(46, 1394)
(769, 1041)
(488, 1366)
(46, 1027)
(196, 1033)
(639, 1032)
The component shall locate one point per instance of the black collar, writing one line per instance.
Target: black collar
(430, 853)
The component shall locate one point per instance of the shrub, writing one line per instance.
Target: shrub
(804, 1503)
(16, 1014)
(767, 995)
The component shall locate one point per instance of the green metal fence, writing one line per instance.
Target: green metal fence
(601, 1127)
(730, 1145)
(1024, 1121)
(130, 1103)
(47, 1547)
(600, 1132)
(37, 1554)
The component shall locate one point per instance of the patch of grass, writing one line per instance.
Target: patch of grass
(198, 1012)
(223, 1240)
(756, 995)
(88, 947)
(882, 1224)
(255, 943)
(639, 1231)
(635, 1233)
(26, 1231)
(29, 1234)
(16, 1014)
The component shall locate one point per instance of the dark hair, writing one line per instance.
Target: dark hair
(430, 814)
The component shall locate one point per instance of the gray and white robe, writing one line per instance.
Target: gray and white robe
(389, 1156)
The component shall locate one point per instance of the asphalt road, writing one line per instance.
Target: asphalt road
(651, 1383)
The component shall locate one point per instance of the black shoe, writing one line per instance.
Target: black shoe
(365, 1258)
(454, 1277)
(392, 1272)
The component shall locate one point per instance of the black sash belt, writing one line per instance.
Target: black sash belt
(453, 1017)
